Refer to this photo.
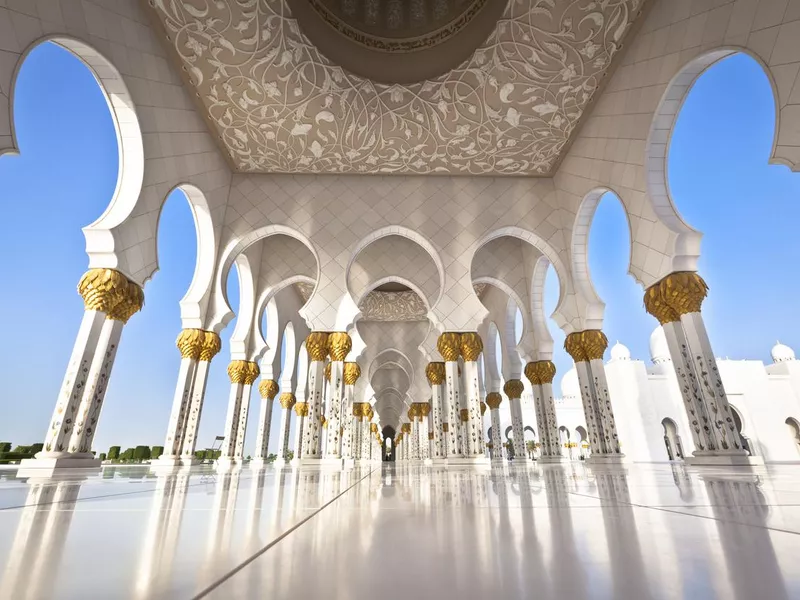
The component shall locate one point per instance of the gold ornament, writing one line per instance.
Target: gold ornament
(412, 411)
(423, 409)
(574, 347)
(211, 346)
(483, 408)
(513, 388)
(339, 345)
(287, 399)
(238, 371)
(406, 427)
(594, 345)
(430, 435)
(684, 291)
(435, 373)
(370, 412)
(471, 346)
(252, 373)
(268, 388)
(374, 428)
(131, 302)
(190, 343)
(532, 374)
(493, 400)
(327, 372)
(464, 415)
(317, 345)
(301, 409)
(352, 371)
(445, 427)
(655, 304)
(324, 421)
(357, 410)
(102, 289)
(449, 346)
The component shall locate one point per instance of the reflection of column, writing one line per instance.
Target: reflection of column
(471, 348)
(287, 403)
(352, 371)
(449, 346)
(317, 348)
(301, 410)
(676, 301)
(513, 389)
(35, 556)
(587, 348)
(540, 374)
(339, 345)
(435, 373)
(189, 342)
(211, 346)
(493, 400)
(110, 299)
(238, 371)
(268, 389)
(567, 583)
(241, 428)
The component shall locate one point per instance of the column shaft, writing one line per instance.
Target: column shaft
(518, 429)
(195, 409)
(333, 449)
(439, 436)
(452, 399)
(312, 438)
(232, 420)
(594, 425)
(180, 408)
(286, 425)
(605, 410)
(264, 426)
(241, 427)
(474, 426)
(497, 435)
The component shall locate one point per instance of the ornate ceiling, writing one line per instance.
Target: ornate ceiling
(279, 106)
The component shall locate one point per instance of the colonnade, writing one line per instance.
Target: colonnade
(333, 427)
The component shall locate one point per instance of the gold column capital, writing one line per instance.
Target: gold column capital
(513, 388)
(493, 400)
(412, 411)
(532, 373)
(422, 409)
(324, 421)
(253, 371)
(301, 409)
(103, 289)
(655, 305)
(449, 346)
(352, 371)
(339, 345)
(373, 428)
(211, 346)
(675, 295)
(190, 343)
(327, 372)
(585, 345)
(435, 373)
(471, 346)
(464, 414)
(287, 400)
(574, 347)
(268, 388)
(483, 408)
(131, 302)
(317, 345)
(540, 371)
(238, 371)
(357, 409)
(406, 427)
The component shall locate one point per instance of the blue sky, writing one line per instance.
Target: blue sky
(65, 175)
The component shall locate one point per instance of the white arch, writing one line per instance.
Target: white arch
(266, 297)
(541, 333)
(394, 279)
(247, 300)
(302, 373)
(403, 232)
(100, 244)
(375, 365)
(489, 352)
(288, 346)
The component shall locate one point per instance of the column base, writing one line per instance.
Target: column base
(547, 460)
(166, 462)
(43, 465)
(261, 463)
(226, 463)
(716, 459)
(476, 461)
(605, 459)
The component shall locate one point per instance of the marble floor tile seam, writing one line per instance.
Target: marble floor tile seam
(252, 558)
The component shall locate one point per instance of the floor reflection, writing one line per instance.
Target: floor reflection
(563, 531)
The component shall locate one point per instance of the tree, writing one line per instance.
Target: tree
(141, 453)
(102, 456)
(5, 446)
(200, 455)
(156, 452)
(127, 455)
(113, 453)
(37, 448)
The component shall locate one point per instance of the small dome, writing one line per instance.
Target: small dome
(659, 350)
(620, 352)
(782, 353)
(570, 387)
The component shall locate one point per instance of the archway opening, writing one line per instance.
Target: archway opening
(794, 431)
(672, 441)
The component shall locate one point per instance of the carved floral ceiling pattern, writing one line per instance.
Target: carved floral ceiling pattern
(279, 106)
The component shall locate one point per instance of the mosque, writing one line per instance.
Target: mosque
(390, 181)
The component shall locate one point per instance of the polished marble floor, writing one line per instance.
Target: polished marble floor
(404, 532)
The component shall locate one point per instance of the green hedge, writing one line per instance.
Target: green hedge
(102, 456)
(113, 453)
(141, 453)
(5, 446)
(127, 455)
(156, 452)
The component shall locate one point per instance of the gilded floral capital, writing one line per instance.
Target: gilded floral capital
(102, 289)
(268, 388)
(323, 421)
(464, 414)
(301, 409)
(406, 427)
(373, 428)
(595, 343)
(546, 370)
(238, 371)
(131, 302)
(435, 373)
(449, 346)
(357, 409)
(684, 291)
(211, 346)
(483, 408)
(339, 345)
(423, 409)
(190, 343)
(317, 345)
(513, 388)
(471, 346)
(655, 305)
(493, 400)
(532, 374)
(352, 371)
(252, 373)
(412, 411)
(574, 347)
(287, 400)
(327, 372)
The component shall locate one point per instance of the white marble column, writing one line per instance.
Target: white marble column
(301, 410)
(412, 416)
(287, 404)
(339, 345)
(211, 346)
(471, 348)
(110, 299)
(423, 414)
(540, 374)
(366, 435)
(189, 342)
(238, 371)
(513, 389)
(352, 371)
(676, 302)
(268, 389)
(244, 410)
(493, 400)
(449, 346)
(317, 348)
(357, 429)
(435, 373)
